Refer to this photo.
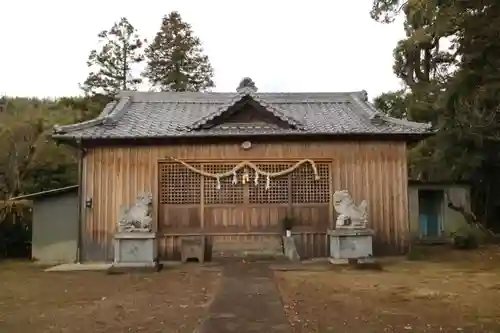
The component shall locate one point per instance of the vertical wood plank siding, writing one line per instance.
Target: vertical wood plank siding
(376, 171)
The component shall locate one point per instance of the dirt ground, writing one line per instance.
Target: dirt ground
(448, 291)
(172, 300)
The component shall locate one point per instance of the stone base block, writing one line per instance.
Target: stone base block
(193, 248)
(351, 244)
(134, 265)
(135, 250)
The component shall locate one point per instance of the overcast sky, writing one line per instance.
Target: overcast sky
(313, 45)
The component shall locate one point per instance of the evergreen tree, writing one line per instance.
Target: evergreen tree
(175, 59)
(111, 66)
(456, 88)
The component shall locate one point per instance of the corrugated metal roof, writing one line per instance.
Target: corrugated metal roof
(47, 193)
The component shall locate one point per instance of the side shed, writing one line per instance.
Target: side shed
(55, 225)
(432, 217)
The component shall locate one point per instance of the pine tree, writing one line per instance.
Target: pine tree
(111, 66)
(175, 59)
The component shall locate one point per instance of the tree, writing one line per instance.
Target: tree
(112, 65)
(393, 103)
(29, 160)
(472, 104)
(175, 59)
(420, 60)
(84, 108)
(457, 88)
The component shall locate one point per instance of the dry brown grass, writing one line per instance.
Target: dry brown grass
(173, 300)
(453, 291)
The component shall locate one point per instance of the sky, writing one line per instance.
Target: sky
(284, 46)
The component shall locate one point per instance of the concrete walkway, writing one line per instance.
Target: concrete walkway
(79, 267)
(248, 301)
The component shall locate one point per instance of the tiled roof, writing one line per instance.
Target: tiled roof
(182, 114)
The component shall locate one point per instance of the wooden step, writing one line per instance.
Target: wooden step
(268, 246)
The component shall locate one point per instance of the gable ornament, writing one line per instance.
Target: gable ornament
(246, 145)
(247, 84)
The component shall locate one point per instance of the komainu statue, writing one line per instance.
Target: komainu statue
(138, 217)
(350, 215)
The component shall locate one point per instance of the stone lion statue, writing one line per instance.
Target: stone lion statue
(350, 215)
(138, 217)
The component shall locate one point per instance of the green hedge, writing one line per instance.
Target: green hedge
(15, 236)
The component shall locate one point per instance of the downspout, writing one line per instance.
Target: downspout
(80, 202)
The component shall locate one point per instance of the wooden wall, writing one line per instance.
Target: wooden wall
(376, 171)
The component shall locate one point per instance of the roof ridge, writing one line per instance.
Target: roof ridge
(409, 123)
(371, 112)
(110, 115)
(277, 112)
(118, 111)
(221, 110)
(100, 119)
(376, 116)
(397, 121)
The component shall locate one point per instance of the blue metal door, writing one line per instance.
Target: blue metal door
(430, 213)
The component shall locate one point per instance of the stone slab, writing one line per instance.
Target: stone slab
(118, 269)
(368, 260)
(79, 267)
(134, 264)
(334, 261)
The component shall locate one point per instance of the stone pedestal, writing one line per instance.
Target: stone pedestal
(193, 248)
(135, 249)
(350, 244)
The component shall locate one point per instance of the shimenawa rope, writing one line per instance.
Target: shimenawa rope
(252, 166)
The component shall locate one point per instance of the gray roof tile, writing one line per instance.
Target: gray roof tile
(180, 114)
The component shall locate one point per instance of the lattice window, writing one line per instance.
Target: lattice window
(178, 184)
(228, 193)
(307, 190)
(278, 190)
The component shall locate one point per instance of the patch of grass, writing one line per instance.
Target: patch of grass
(449, 291)
(173, 300)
